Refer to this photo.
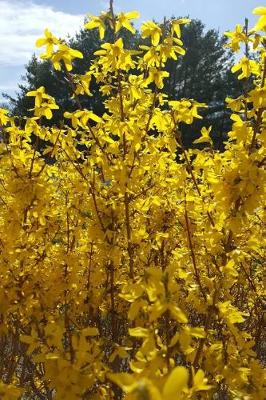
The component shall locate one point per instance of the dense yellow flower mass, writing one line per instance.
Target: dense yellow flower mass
(126, 273)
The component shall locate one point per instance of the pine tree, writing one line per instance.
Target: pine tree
(204, 74)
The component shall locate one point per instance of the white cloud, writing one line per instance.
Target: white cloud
(22, 22)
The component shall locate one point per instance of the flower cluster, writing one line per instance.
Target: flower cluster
(132, 268)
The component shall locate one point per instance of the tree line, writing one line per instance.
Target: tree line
(203, 74)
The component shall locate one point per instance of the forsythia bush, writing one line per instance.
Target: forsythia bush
(131, 268)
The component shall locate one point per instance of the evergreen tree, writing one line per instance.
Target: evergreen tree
(203, 74)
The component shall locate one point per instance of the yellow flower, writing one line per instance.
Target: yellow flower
(175, 25)
(200, 382)
(49, 41)
(237, 37)
(39, 95)
(65, 54)
(3, 116)
(234, 104)
(97, 22)
(168, 48)
(111, 50)
(150, 29)
(114, 56)
(176, 382)
(157, 76)
(123, 21)
(44, 103)
(82, 84)
(261, 24)
(81, 118)
(247, 66)
(205, 136)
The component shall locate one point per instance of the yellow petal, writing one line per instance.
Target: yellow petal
(123, 380)
(139, 332)
(92, 25)
(176, 382)
(40, 42)
(128, 26)
(178, 314)
(132, 15)
(48, 113)
(200, 382)
(94, 117)
(259, 11)
(76, 53)
(155, 38)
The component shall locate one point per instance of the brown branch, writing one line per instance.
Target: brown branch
(192, 253)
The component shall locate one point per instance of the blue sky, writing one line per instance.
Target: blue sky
(216, 13)
(22, 21)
